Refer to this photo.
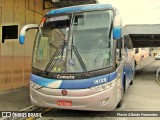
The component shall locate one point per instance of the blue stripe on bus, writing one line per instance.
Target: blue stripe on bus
(84, 83)
(112, 76)
(81, 8)
(73, 84)
(41, 81)
(21, 39)
(117, 33)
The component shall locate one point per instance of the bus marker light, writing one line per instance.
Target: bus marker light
(42, 22)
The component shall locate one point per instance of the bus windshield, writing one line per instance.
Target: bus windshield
(80, 42)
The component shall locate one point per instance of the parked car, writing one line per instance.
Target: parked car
(157, 57)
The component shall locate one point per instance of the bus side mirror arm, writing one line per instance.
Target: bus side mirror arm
(23, 31)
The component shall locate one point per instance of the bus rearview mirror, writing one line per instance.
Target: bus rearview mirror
(116, 33)
(117, 27)
(23, 31)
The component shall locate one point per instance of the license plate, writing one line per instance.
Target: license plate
(64, 103)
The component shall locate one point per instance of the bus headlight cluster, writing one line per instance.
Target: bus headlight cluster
(34, 85)
(103, 87)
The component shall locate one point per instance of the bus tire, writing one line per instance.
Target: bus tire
(131, 83)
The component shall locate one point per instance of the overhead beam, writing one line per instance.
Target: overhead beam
(48, 4)
(145, 40)
(143, 35)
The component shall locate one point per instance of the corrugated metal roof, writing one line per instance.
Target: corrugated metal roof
(143, 35)
(81, 8)
(142, 29)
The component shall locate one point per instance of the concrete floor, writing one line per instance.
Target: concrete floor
(143, 95)
(14, 100)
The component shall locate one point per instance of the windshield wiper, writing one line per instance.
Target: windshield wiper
(53, 60)
(80, 60)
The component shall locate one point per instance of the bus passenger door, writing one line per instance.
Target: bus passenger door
(128, 67)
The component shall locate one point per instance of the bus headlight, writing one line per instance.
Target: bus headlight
(103, 87)
(34, 85)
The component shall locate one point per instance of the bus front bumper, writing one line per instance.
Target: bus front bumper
(106, 100)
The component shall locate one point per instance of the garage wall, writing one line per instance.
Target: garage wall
(15, 59)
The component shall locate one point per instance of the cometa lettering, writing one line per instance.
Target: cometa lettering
(65, 77)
